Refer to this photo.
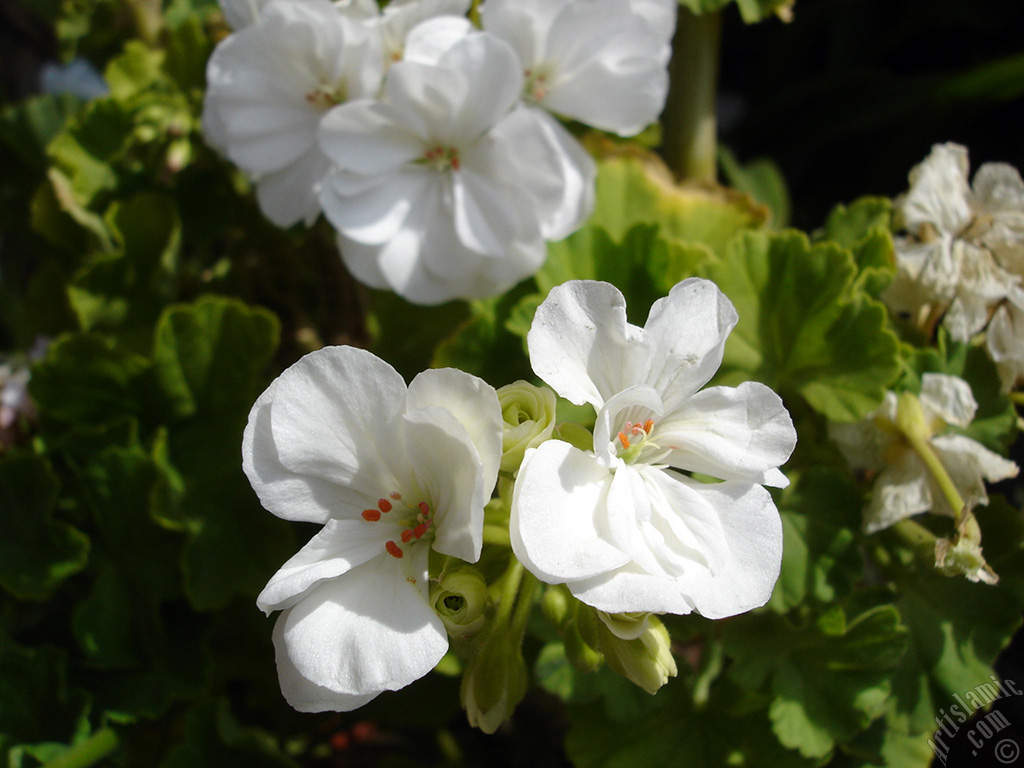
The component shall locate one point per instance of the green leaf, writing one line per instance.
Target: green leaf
(29, 126)
(829, 679)
(864, 228)
(86, 151)
(406, 335)
(957, 628)
(36, 552)
(209, 356)
(752, 11)
(638, 189)
(88, 379)
(820, 560)
(669, 729)
(802, 327)
(136, 70)
(131, 285)
(762, 179)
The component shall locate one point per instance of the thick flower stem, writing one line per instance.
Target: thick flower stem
(911, 422)
(510, 581)
(918, 538)
(689, 143)
(524, 603)
(88, 752)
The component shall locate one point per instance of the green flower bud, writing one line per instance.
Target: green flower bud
(962, 556)
(495, 680)
(528, 415)
(646, 659)
(575, 435)
(460, 599)
(557, 605)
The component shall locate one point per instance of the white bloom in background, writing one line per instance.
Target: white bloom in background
(1005, 338)
(399, 17)
(244, 13)
(602, 62)
(904, 486)
(622, 526)
(446, 188)
(270, 84)
(391, 472)
(964, 249)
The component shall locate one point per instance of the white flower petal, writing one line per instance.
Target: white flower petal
(473, 402)
(901, 490)
(970, 465)
(367, 631)
(948, 397)
(729, 433)
(558, 526)
(292, 194)
(340, 546)
(748, 565)
(378, 213)
(581, 345)
(369, 137)
(630, 589)
(304, 695)
(449, 472)
(938, 194)
(428, 41)
(331, 418)
(688, 329)
(285, 493)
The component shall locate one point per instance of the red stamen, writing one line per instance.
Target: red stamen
(624, 440)
(371, 514)
(394, 550)
(420, 529)
(383, 505)
(648, 426)
(455, 163)
(395, 495)
(424, 508)
(406, 535)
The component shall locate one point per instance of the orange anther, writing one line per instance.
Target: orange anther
(624, 440)
(455, 164)
(394, 550)
(395, 495)
(406, 535)
(372, 515)
(648, 426)
(420, 529)
(424, 508)
(383, 505)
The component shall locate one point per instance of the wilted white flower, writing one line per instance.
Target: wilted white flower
(602, 62)
(446, 188)
(269, 85)
(904, 486)
(963, 255)
(622, 526)
(391, 472)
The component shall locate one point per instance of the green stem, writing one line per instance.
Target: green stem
(920, 540)
(88, 752)
(524, 605)
(509, 587)
(689, 143)
(474, 14)
(1017, 398)
(911, 422)
(496, 534)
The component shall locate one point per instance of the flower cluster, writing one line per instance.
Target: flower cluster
(962, 257)
(667, 513)
(430, 144)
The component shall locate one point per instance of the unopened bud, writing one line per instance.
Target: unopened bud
(962, 556)
(495, 680)
(528, 416)
(460, 600)
(645, 660)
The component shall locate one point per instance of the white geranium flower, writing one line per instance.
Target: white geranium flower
(270, 84)
(244, 13)
(904, 486)
(391, 472)
(599, 61)
(958, 255)
(622, 526)
(446, 188)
